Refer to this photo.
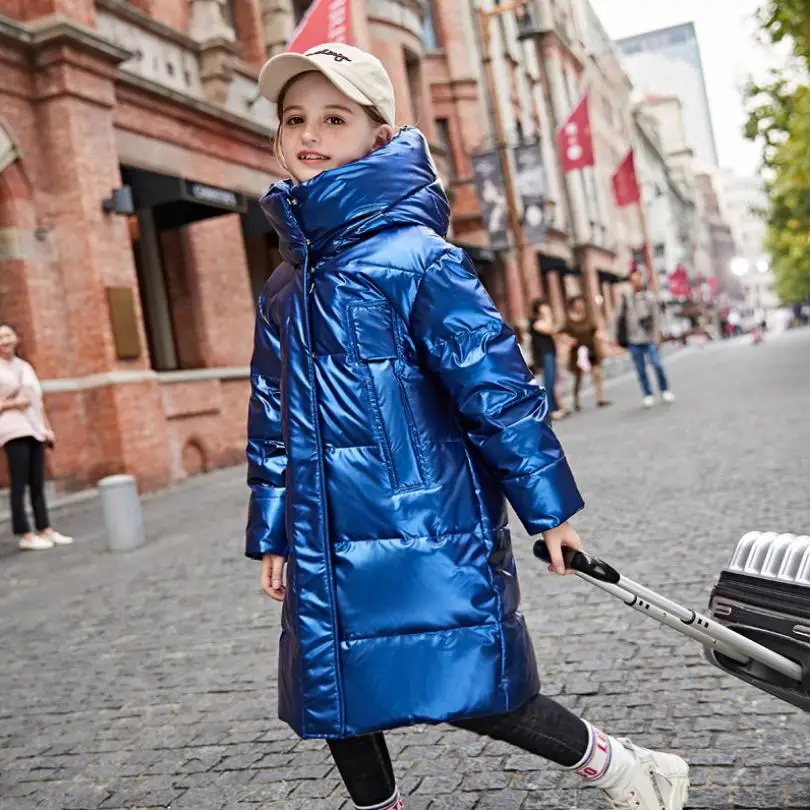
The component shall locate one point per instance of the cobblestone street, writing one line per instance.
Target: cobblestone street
(147, 680)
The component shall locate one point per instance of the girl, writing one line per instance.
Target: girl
(24, 433)
(544, 351)
(391, 415)
(583, 336)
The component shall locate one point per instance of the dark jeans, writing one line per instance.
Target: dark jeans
(549, 379)
(640, 353)
(26, 470)
(541, 727)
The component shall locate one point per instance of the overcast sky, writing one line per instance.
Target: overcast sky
(728, 51)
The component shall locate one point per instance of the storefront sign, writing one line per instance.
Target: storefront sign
(211, 195)
(490, 187)
(531, 185)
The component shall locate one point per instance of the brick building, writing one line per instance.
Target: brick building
(537, 81)
(140, 325)
(139, 319)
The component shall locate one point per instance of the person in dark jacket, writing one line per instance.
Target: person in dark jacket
(392, 415)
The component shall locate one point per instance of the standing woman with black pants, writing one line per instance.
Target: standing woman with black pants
(544, 352)
(24, 434)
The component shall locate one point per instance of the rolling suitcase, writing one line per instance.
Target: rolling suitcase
(759, 629)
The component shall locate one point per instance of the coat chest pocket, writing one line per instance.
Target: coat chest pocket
(376, 349)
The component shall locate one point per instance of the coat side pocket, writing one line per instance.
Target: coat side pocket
(376, 348)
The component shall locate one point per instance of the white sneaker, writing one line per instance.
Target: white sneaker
(668, 396)
(59, 539)
(654, 781)
(648, 402)
(34, 542)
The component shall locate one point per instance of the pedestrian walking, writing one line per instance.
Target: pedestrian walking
(637, 327)
(391, 412)
(584, 354)
(544, 351)
(24, 434)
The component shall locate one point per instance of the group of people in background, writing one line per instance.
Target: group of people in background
(635, 326)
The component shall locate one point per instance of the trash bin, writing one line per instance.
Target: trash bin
(123, 518)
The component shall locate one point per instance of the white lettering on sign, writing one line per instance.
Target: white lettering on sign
(218, 196)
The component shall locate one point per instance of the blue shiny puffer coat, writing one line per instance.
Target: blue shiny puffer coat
(391, 412)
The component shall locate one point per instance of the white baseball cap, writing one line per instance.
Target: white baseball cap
(359, 75)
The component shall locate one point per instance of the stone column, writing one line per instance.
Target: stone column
(531, 269)
(209, 26)
(278, 21)
(117, 402)
(555, 295)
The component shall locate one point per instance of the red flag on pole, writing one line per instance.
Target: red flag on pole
(625, 182)
(574, 139)
(679, 284)
(325, 21)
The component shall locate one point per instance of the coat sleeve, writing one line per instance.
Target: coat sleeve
(466, 344)
(266, 454)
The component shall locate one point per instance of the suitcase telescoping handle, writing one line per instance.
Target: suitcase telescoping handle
(686, 621)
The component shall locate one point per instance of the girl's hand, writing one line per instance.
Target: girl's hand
(50, 436)
(273, 576)
(556, 539)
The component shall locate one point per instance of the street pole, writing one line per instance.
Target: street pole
(515, 225)
(645, 235)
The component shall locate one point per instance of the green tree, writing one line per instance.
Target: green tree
(779, 115)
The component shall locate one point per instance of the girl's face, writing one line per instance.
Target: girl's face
(322, 129)
(8, 342)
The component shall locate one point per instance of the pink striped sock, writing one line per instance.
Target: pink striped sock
(605, 760)
(394, 803)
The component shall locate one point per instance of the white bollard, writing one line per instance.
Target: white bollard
(123, 518)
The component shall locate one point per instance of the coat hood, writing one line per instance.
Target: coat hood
(395, 185)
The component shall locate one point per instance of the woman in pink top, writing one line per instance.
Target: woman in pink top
(24, 432)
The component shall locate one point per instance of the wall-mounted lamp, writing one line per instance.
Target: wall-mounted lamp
(526, 26)
(119, 202)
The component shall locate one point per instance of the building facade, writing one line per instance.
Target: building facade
(667, 62)
(137, 310)
(133, 150)
(671, 213)
(723, 248)
(743, 203)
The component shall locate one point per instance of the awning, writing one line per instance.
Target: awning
(177, 201)
(553, 263)
(608, 277)
(480, 255)
(254, 221)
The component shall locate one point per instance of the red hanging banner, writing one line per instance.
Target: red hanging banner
(679, 284)
(625, 182)
(574, 139)
(325, 21)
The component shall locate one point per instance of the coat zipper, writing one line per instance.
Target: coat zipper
(309, 288)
